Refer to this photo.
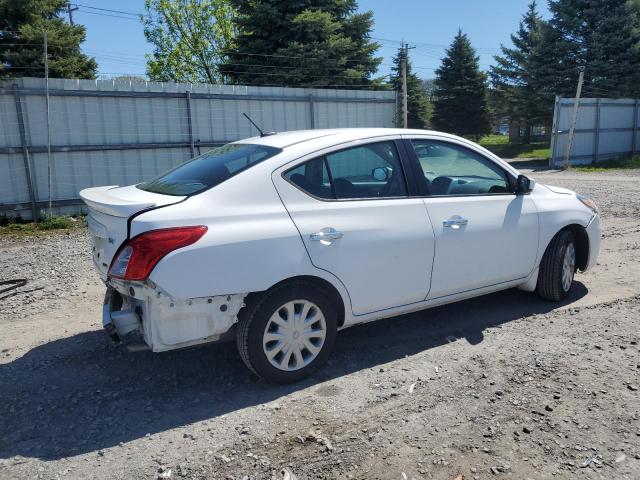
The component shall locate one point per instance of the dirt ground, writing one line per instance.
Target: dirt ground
(502, 386)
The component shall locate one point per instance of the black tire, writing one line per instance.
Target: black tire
(550, 285)
(253, 322)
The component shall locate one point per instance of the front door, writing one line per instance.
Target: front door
(485, 234)
(357, 221)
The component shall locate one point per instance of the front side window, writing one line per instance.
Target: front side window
(209, 169)
(365, 172)
(451, 169)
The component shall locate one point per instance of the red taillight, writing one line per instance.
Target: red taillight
(138, 256)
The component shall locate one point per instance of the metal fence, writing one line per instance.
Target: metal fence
(110, 132)
(606, 128)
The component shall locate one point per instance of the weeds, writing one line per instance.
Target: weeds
(48, 223)
(613, 164)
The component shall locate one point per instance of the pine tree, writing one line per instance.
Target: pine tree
(418, 105)
(600, 35)
(515, 80)
(304, 43)
(460, 104)
(22, 27)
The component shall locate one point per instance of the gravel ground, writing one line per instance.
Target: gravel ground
(504, 385)
(56, 267)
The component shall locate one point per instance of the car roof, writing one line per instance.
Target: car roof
(314, 140)
(333, 136)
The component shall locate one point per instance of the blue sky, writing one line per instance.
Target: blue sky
(119, 45)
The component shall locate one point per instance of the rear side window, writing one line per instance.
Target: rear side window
(313, 178)
(364, 172)
(209, 169)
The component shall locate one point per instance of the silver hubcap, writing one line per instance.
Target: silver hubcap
(294, 335)
(568, 267)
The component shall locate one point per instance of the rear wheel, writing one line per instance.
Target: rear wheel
(287, 333)
(558, 267)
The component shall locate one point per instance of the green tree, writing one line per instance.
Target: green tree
(303, 43)
(460, 104)
(603, 36)
(418, 105)
(22, 27)
(517, 89)
(189, 39)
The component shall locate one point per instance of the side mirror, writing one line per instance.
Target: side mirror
(381, 174)
(523, 185)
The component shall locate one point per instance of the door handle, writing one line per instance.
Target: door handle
(455, 222)
(326, 236)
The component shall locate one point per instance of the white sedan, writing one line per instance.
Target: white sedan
(284, 239)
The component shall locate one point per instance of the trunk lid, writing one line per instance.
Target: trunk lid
(109, 211)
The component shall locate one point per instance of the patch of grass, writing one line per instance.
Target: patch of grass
(49, 223)
(494, 140)
(613, 164)
(54, 222)
(499, 144)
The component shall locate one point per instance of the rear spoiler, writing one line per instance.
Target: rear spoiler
(103, 200)
(124, 201)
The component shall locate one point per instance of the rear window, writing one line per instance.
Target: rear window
(209, 169)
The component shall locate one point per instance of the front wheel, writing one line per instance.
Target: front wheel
(558, 267)
(288, 333)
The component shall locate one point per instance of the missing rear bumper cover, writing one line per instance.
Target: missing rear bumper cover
(118, 318)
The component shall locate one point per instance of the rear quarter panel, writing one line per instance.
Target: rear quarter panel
(251, 243)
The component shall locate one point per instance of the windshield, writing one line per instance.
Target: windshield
(209, 169)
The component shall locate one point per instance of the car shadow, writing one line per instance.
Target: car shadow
(81, 394)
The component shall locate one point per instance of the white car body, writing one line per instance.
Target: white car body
(393, 256)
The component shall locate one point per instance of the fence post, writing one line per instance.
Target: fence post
(554, 131)
(635, 128)
(25, 151)
(574, 121)
(596, 133)
(46, 76)
(312, 115)
(192, 146)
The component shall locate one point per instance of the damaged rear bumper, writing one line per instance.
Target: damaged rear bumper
(116, 321)
(167, 323)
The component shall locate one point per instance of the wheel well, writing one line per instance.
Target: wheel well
(321, 284)
(582, 244)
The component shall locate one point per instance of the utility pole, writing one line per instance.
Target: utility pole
(574, 120)
(70, 12)
(403, 78)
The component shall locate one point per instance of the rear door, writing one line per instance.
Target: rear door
(484, 233)
(358, 221)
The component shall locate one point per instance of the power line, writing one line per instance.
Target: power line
(118, 56)
(19, 44)
(433, 45)
(108, 15)
(135, 60)
(106, 9)
(14, 67)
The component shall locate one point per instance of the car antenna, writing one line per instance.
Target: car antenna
(262, 134)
